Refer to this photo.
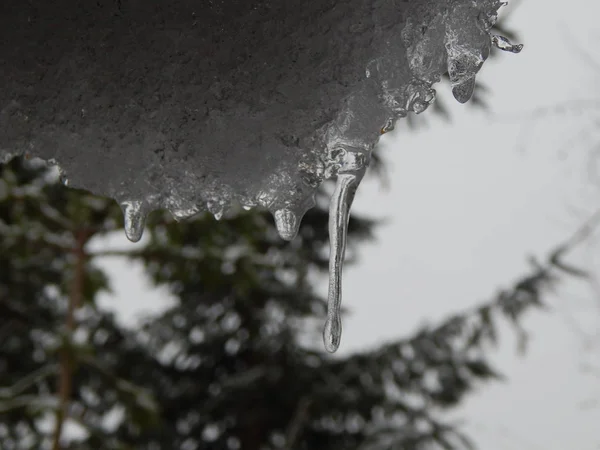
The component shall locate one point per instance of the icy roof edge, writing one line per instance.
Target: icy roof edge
(193, 107)
(157, 126)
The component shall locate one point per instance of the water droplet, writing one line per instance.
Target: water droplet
(134, 213)
(339, 210)
(332, 333)
(463, 90)
(287, 224)
(504, 44)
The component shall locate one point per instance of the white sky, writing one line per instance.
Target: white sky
(464, 209)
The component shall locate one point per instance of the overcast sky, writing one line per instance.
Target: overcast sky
(465, 208)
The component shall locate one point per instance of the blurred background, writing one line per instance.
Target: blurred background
(472, 297)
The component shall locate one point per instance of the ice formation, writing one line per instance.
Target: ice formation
(191, 105)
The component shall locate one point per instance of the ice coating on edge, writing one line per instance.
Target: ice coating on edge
(173, 104)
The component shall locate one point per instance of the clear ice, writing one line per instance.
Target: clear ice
(504, 44)
(197, 113)
(287, 224)
(134, 218)
(339, 212)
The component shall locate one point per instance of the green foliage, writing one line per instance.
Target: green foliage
(226, 366)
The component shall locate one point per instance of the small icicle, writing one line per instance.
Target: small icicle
(504, 44)
(463, 90)
(216, 209)
(287, 224)
(462, 70)
(135, 218)
(339, 209)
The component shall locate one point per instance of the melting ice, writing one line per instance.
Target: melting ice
(134, 218)
(200, 112)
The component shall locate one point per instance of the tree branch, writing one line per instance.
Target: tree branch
(297, 422)
(65, 377)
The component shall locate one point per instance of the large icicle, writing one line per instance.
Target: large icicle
(339, 211)
(351, 165)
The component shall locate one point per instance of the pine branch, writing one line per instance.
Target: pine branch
(452, 351)
(23, 384)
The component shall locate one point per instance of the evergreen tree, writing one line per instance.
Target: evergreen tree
(59, 353)
(231, 365)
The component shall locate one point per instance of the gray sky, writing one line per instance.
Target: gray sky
(464, 209)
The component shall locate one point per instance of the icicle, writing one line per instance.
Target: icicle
(339, 209)
(463, 90)
(504, 44)
(462, 69)
(134, 214)
(287, 224)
